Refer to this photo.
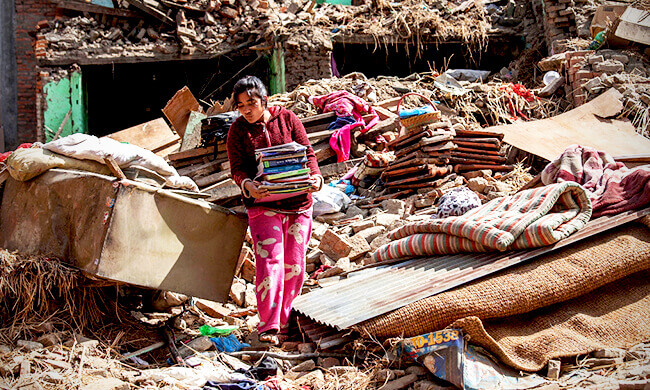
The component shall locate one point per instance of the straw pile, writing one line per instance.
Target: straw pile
(36, 289)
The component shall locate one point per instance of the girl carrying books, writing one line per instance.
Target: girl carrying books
(280, 225)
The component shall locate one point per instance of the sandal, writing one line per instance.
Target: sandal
(269, 338)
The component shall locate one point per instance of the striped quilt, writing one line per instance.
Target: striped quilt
(529, 219)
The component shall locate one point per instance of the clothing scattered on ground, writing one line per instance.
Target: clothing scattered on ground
(529, 219)
(611, 186)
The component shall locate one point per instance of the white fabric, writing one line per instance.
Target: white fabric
(89, 147)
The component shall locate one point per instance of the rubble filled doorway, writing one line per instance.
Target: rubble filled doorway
(124, 95)
(400, 60)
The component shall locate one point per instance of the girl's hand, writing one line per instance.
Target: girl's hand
(253, 189)
(316, 185)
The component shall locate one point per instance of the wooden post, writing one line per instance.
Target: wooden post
(277, 78)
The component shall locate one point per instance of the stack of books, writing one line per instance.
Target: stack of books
(282, 170)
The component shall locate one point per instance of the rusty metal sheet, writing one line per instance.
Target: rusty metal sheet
(375, 291)
(125, 231)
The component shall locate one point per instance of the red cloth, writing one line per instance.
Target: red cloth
(611, 186)
(343, 103)
(3, 156)
(243, 138)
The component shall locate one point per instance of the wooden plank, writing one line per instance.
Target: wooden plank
(167, 150)
(192, 136)
(153, 135)
(221, 191)
(336, 169)
(319, 136)
(200, 169)
(198, 152)
(482, 151)
(477, 167)
(476, 145)
(213, 178)
(584, 125)
(473, 133)
(156, 13)
(97, 9)
(317, 128)
(323, 151)
(114, 168)
(178, 108)
(318, 119)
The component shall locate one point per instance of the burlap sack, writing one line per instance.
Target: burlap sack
(561, 276)
(616, 315)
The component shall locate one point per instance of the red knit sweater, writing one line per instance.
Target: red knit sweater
(243, 138)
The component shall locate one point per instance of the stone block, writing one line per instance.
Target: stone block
(379, 241)
(334, 245)
(330, 218)
(477, 184)
(362, 225)
(387, 220)
(622, 58)
(371, 233)
(307, 365)
(634, 384)
(213, 309)
(248, 270)
(595, 59)
(250, 300)
(318, 229)
(331, 272)
(238, 293)
(360, 247)
(609, 66)
(313, 257)
(50, 339)
(394, 206)
(354, 211)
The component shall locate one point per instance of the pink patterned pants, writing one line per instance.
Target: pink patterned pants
(280, 243)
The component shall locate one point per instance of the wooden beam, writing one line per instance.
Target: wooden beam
(156, 13)
(98, 9)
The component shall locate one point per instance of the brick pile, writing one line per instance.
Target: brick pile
(592, 72)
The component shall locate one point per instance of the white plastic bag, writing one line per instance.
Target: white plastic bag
(329, 200)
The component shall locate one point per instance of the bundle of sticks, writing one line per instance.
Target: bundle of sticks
(422, 155)
(477, 149)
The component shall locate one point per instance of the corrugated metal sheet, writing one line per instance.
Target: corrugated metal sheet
(374, 291)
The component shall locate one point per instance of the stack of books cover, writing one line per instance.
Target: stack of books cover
(282, 170)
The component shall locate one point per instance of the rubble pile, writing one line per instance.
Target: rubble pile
(210, 27)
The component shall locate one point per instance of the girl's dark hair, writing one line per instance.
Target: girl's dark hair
(252, 86)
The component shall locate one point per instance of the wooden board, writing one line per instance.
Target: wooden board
(154, 135)
(584, 125)
(178, 109)
(192, 136)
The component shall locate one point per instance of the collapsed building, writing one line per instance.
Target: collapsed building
(375, 287)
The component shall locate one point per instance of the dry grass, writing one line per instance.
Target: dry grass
(37, 289)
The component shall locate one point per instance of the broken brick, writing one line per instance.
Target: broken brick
(334, 245)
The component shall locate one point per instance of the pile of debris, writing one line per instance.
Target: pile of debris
(199, 27)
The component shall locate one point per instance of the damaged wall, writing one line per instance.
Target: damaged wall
(8, 105)
(307, 57)
(28, 14)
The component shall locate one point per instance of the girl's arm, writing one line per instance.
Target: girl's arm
(235, 146)
(299, 134)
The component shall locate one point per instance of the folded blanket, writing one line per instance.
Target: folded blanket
(611, 186)
(529, 219)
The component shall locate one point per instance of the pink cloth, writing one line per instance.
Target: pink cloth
(280, 243)
(611, 186)
(343, 103)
